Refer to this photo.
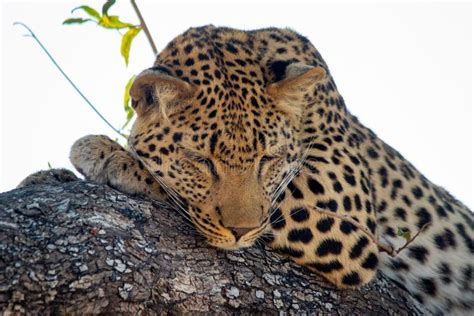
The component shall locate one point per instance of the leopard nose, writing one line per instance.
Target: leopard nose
(239, 232)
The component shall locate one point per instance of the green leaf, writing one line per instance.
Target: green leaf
(75, 21)
(130, 115)
(126, 95)
(126, 103)
(405, 233)
(114, 22)
(107, 6)
(127, 39)
(92, 12)
(49, 166)
(104, 22)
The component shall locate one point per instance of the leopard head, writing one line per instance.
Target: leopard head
(220, 141)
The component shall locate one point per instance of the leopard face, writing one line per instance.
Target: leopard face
(219, 141)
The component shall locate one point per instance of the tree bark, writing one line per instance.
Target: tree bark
(79, 248)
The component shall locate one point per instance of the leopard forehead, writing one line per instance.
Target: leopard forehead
(237, 59)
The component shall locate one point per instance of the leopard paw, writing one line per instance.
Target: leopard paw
(53, 176)
(89, 155)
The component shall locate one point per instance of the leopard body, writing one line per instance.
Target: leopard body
(247, 134)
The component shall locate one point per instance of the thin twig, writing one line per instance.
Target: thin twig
(384, 248)
(33, 35)
(425, 226)
(144, 27)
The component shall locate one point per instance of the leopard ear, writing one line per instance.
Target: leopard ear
(299, 80)
(156, 89)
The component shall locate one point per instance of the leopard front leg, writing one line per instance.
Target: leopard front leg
(102, 160)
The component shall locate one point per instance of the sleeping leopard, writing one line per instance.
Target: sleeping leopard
(247, 135)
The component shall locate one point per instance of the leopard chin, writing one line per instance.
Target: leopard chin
(231, 245)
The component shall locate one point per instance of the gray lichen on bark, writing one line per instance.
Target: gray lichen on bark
(77, 247)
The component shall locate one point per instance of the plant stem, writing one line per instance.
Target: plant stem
(33, 35)
(422, 229)
(384, 248)
(144, 27)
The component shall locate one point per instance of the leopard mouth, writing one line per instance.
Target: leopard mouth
(232, 242)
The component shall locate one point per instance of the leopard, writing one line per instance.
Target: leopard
(246, 134)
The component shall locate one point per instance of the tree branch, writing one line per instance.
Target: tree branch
(82, 248)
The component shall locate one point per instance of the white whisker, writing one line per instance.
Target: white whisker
(284, 183)
(172, 194)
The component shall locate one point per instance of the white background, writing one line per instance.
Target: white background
(404, 69)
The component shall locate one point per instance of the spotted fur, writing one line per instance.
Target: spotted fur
(247, 134)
